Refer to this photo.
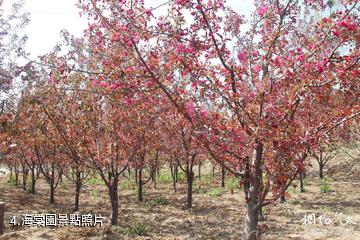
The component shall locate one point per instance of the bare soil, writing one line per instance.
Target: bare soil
(212, 217)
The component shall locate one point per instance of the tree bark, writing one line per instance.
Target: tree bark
(176, 174)
(282, 198)
(129, 173)
(302, 189)
(24, 177)
(33, 180)
(16, 177)
(252, 193)
(173, 176)
(52, 184)
(113, 194)
(78, 184)
(190, 179)
(261, 214)
(136, 176)
(199, 171)
(2, 212)
(11, 175)
(321, 171)
(140, 186)
(222, 176)
(52, 194)
(153, 178)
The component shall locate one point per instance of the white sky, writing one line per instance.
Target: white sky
(49, 17)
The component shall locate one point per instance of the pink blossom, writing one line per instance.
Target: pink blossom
(190, 109)
(341, 23)
(194, 85)
(103, 84)
(241, 56)
(351, 27)
(257, 68)
(136, 39)
(181, 48)
(115, 86)
(301, 58)
(289, 72)
(307, 66)
(92, 26)
(148, 12)
(320, 68)
(214, 138)
(263, 10)
(204, 114)
(277, 61)
(52, 80)
(127, 101)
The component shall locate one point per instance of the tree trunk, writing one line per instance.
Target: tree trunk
(222, 176)
(190, 179)
(252, 193)
(2, 212)
(24, 176)
(213, 171)
(113, 193)
(136, 176)
(176, 174)
(302, 189)
(321, 171)
(153, 178)
(140, 186)
(16, 177)
(77, 191)
(33, 181)
(52, 193)
(282, 198)
(199, 171)
(11, 175)
(261, 214)
(173, 176)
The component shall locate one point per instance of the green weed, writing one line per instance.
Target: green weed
(156, 202)
(96, 180)
(134, 230)
(215, 192)
(325, 185)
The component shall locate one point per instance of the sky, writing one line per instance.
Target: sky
(49, 17)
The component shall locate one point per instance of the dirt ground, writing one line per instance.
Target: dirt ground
(337, 211)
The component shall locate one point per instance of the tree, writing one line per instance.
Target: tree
(182, 147)
(246, 104)
(11, 41)
(322, 156)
